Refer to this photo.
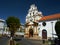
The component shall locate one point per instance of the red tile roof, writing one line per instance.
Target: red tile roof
(50, 17)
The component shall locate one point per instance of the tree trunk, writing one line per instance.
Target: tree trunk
(12, 42)
(12, 33)
(11, 39)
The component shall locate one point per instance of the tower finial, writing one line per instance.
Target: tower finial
(33, 5)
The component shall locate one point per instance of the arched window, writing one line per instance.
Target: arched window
(33, 13)
(30, 13)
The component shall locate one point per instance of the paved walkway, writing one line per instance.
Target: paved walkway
(30, 42)
(4, 40)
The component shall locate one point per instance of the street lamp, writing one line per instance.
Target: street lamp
(52, 29)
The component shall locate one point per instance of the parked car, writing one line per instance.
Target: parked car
(17, 38)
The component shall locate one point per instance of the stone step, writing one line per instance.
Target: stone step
(35, 38)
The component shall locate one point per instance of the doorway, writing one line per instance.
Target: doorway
(31, 33)
(44, 34)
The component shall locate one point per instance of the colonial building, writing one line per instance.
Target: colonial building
(46, 26)
(31, 27)
(39, 26)
(2, 25)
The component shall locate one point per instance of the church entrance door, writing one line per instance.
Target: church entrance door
(31, 33)
(44, 34)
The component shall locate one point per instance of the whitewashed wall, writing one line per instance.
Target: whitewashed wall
(48, 27)
(1, 26)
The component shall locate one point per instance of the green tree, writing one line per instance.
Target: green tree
(57, 28)
(13, 23)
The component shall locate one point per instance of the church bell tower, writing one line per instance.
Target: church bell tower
(32, 18)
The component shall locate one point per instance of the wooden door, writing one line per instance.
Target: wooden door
(30, 33)
(44, 34)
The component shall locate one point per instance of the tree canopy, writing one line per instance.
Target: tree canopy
(57, 28)
(13, 23)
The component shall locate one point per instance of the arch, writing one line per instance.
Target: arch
(44, 34)
(31, 33)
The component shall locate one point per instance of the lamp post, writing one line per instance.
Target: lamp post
(52, 29)
(52, 34)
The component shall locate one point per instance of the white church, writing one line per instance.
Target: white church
(31, 29)
(2, 25)
(46, 26)
(39, 26)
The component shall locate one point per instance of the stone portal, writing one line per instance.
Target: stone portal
(31, 33)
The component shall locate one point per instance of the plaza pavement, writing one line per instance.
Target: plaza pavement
(4, 40)
(22, 41)
(30, 42)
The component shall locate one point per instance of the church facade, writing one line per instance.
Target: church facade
(39, 26)
(31, 29)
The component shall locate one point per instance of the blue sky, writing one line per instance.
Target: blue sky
(19, 8)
